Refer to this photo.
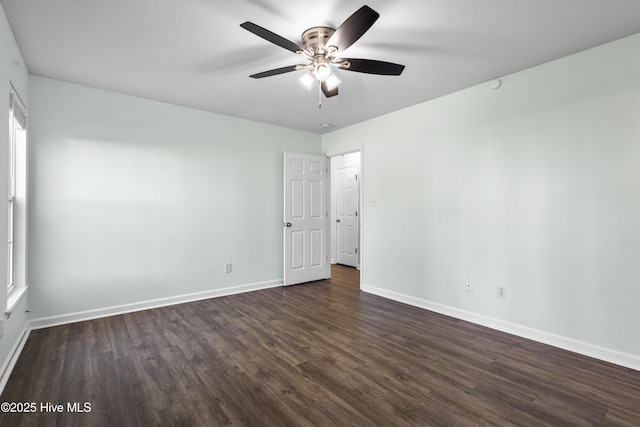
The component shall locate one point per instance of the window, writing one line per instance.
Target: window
(17, 198)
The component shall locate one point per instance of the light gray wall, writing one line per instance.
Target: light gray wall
(535, 186)
(12, 70)
(133, 200)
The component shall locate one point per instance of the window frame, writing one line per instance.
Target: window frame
(16, 200)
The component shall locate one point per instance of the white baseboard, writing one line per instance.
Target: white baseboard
(608, 355)
(12, 358)
(586, 349)
(46, 322)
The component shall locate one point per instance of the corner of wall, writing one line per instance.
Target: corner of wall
(12, 71)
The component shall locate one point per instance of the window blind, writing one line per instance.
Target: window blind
(17, 109)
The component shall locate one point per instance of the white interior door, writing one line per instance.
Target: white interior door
(347, 215)
(305, 218)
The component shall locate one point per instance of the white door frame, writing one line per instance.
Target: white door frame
(337, 162)
(361, 212)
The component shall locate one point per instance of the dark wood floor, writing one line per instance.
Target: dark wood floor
(320, 354)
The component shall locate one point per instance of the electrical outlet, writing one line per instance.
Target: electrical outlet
(468, 286)
(502, 291)
(228, 267)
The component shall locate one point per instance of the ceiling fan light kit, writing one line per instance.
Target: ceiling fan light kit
(322, 47)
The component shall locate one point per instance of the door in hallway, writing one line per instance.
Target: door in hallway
(347, 221)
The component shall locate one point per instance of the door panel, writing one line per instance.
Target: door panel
(297, 250)
(305, 218)
(316, 199)
(297, 199)
(347, 215)
(316, 246)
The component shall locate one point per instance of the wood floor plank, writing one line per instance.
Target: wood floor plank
(318, 354)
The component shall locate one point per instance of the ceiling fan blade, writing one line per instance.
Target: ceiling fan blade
(277, 71)
(353, 28)
(371, 66)
(271, 37)
(328, 92)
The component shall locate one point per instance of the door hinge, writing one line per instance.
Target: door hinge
(356, 250)
(356, 177)
(356, 213)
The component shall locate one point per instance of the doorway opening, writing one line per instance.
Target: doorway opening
(345, 215)
(317, 238)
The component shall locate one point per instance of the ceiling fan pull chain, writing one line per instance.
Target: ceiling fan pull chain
(319, 94)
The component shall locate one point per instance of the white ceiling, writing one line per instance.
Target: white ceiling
(194, 53)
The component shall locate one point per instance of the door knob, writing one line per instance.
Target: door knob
(288, 224)
(337, 220)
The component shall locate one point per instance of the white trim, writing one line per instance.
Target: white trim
(46, 322)
(362, 216)
(81, 316)
(15, 296)
(612, 356)
(333, 204)
(12, 357)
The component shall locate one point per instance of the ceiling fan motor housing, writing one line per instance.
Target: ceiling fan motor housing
(315, 39)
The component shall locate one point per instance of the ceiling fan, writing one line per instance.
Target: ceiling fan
(323, 46)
